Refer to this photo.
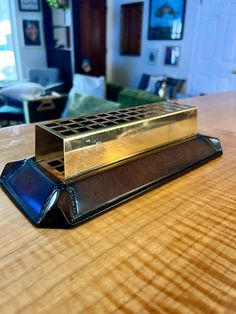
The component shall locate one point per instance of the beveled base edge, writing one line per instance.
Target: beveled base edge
(48, 202)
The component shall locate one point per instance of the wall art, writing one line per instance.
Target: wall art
(166, 19)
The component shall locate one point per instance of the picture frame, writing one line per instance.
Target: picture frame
(172, 55)
(29, 5)
(166, 19)
(151, 56)
(32, 33)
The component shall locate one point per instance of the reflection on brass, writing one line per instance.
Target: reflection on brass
(82, 145)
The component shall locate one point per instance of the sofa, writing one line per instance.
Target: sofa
(130, 97)
(117, 97)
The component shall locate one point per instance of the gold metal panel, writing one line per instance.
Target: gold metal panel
(83, 145)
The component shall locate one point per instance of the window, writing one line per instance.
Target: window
(8, 70)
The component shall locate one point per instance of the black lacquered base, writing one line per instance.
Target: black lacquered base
(49, 202)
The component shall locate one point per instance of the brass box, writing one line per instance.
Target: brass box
(81, 146)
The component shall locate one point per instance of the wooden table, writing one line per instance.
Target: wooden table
(172, 250)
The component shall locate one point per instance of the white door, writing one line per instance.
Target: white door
(214, 51)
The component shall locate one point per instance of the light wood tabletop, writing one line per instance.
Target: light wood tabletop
(171, 250)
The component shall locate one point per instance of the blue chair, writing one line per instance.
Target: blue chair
(49, 78)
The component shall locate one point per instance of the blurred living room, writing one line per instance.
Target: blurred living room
(118, 156)
(67, 57)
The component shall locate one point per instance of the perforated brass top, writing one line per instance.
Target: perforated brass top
(82, 145)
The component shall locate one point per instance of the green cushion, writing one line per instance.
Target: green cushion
(129, 97)
(85, 105)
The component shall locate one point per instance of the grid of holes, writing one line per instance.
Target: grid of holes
(57, 164)
(83, 124)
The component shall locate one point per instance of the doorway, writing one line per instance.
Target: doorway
(214, 53)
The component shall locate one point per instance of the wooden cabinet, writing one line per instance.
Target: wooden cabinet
(89, 18)
(76, 37)
(131, 28)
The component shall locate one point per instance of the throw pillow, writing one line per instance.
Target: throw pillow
(85, 84)
(90, 85)
(153, 83)
(19, 91)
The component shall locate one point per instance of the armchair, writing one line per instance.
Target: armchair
(49, 78)
(11, 101)
(42, 81)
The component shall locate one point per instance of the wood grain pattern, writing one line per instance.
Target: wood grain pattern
(171, 250)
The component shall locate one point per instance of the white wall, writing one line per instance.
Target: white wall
(127, 70)
(27, 56)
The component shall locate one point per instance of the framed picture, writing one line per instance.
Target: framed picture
(166, 19)
(29, 5)
(151, 56)
(31, 32)
(172, 55)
